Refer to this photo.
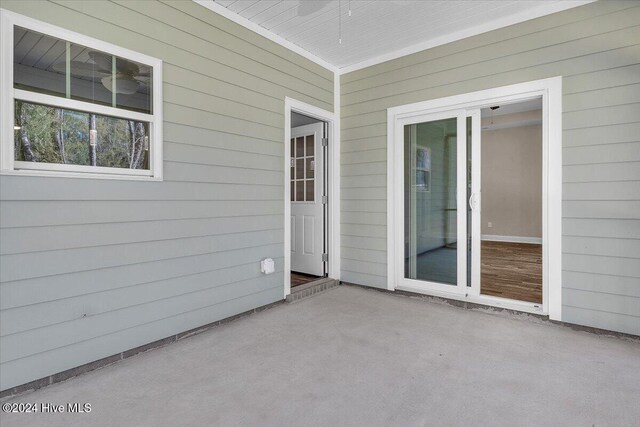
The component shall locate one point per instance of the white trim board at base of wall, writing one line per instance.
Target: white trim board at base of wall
(511, 239)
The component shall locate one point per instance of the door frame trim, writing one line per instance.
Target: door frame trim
(333, 157)
(550, 90)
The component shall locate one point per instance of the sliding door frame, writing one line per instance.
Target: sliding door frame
(550, 90)
(461, 223)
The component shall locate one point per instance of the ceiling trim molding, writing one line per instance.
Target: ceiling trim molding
(506, 21)
(221, 10)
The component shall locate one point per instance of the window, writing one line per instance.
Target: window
(423, 169)
(77, 106)
(303, 167)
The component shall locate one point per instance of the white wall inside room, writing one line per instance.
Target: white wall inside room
(512, 174)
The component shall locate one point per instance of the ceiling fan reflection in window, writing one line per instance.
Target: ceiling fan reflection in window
(127, 74)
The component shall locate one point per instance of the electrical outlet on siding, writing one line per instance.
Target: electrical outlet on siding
(267, 266)
(490, 224)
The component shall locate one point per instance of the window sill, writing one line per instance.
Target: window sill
(82, 175)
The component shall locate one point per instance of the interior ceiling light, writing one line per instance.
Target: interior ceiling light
(492, 110)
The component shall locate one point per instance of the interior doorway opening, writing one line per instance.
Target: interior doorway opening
(511, 201)
(309, 199)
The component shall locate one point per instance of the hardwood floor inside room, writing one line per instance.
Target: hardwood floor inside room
(298, 279)
(511, 270)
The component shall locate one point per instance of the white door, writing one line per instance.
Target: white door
(307, 210)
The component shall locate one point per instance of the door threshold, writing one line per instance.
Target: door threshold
(311, 288)
(489, 301)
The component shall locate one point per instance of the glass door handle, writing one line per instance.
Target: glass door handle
(471, 202)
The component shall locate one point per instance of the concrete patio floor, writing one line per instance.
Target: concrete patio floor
(359, 357)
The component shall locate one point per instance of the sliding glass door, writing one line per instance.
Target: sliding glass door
(434, 219)
(434, 203)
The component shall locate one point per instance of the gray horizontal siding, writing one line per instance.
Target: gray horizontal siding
(600, 319)
(602, 283)
(41, 364)
(67, 212)
(90, 268)
(596, 48)
(620, 248)
(19, 242)
(175, 299)
(43, 289)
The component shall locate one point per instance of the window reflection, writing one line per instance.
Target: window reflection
(47, 134)
(430, 201)
(55, 67)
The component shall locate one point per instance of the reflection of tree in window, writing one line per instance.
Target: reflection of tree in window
(56, 135)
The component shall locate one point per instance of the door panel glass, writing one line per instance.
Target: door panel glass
(299, 191)
(303, 169)
(430, 204)
(310, 190)
(300, 147)
(310, 167)
(310, 145)
(299, 168)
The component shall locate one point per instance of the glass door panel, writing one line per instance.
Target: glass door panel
(473, 197)
(434, 180)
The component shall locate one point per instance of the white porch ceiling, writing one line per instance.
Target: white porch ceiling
(378, 29)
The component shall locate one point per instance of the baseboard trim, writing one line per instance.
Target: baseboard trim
(511, 239)
(110, 360)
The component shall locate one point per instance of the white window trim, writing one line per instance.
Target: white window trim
(8, 166)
